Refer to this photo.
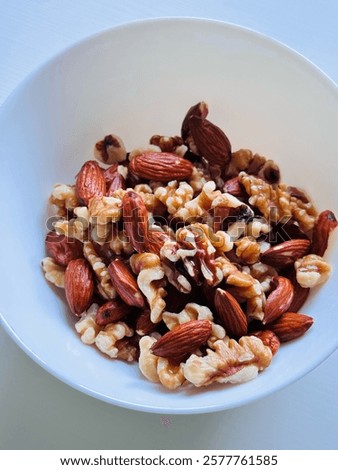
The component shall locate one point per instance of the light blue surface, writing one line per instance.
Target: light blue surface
(38, 411)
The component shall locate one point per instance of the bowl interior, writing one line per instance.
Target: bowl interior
(138, 80)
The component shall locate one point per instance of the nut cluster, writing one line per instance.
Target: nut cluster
(185, 256)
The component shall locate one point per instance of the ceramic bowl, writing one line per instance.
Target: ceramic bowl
(138, 80)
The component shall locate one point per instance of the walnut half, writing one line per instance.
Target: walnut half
(312, 270)
(230, 362)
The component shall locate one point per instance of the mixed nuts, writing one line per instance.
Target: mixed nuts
(185, 256)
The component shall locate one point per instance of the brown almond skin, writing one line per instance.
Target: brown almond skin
(79, 285)
(118, 182)
(144, 325)
(90, 182)
(325, 223)
(210, 140)
(279, 300)
(201, 110)
(125, 284)
(161, 166)
(155, 241)
(288, 231)
(63, 249)
(104, 251)
(112, 311)
(285, 253)
(300, 294)
(234, 187)
(110, 173)
(290, 326)
(269, 339)
(299, 298)
(230, 314)
(184, 339)
(135, 217)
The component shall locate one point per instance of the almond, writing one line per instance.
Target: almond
(79, 285)
(90, 182)
(290, 326)
(287, 231)
(300, 294)
(325, 223)
(279, 300)
(155, 241)
(184, 339)
(63, 249)
(110, 173)
(144, 325)
(230, 314)
(200, 110)
(118, 182)
(125, 284)
(210, 140)
(269, 339)
(234, 187)
(135, 216)
(285, 253)
(112, 311)
(104, 251)
(161, 166)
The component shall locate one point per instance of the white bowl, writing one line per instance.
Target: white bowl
(138, 80)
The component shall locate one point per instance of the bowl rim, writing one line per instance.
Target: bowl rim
(313, 68)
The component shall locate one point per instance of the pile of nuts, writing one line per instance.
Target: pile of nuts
(185, 256)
